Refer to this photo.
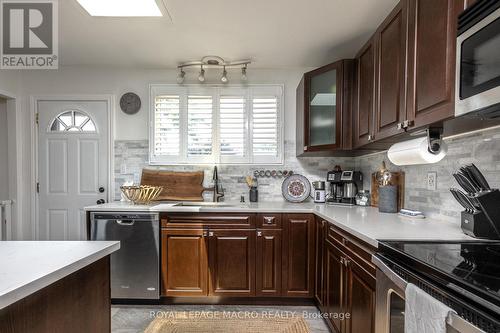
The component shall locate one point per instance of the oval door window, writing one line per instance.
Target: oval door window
(73, 121)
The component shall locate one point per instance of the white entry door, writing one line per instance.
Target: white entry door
(72, 165)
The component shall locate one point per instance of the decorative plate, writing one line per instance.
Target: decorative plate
(130, 103)
(296, 188)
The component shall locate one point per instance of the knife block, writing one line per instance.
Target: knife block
(490, 207)
(477, 225)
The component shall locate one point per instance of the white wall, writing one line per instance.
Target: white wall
(4, 161)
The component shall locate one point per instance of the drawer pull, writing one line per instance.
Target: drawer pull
(259, 233)
(269, 219)
(211, 234)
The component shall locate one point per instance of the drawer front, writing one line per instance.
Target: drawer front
(356, 249)
(213, 220)
(269, 221)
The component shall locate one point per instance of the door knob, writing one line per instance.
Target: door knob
(100, 201)
(101, 189)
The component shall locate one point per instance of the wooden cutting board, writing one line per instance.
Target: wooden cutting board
(398, 179)
(177, 186)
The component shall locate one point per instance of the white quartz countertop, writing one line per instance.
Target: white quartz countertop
(366, 223)
(28, 266)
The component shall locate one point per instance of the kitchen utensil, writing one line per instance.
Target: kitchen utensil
(479, 177)
(296, 188)
(463, 199)
(464, 182)
(141, 194)
(468, 173)
(489, 202)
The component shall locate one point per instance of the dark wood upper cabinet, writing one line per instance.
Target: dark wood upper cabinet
(232, 262)
(184, 263)
(431, 61)
(324, 101)
(268, 263)
(390, 69)
(364, 95)
(298, 255)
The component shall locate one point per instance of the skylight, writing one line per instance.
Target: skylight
(123, 8)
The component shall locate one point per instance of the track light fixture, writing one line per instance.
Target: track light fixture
(201, 77)
(224, 79)
(180, 77)
(244, 76)
(210, 62)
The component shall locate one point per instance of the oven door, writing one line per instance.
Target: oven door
(390, 304)
(478, 68)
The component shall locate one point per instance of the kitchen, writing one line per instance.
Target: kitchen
(346, 187)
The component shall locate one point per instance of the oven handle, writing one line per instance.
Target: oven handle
(399, 281)
(454, 321)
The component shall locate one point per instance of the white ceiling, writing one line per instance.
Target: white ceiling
(273, 33)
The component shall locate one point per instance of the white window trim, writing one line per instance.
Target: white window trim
(215, 91)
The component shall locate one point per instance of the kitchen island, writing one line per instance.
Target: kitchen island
(52, 286)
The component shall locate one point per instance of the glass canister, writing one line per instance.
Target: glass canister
(363, 198)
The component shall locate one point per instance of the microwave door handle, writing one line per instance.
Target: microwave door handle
(396, 279)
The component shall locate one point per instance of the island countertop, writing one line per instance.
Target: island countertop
(366, 223)
(28, 266)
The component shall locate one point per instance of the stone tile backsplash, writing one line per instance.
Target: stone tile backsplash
(132, 156)
(482, 148)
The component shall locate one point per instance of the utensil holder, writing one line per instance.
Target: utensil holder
(477, 225)
(254, 194)
(490, 203)
(388, 199)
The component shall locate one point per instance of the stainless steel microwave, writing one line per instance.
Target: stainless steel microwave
(477, 88)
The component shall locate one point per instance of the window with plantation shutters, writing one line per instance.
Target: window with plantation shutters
(194, 124)
(167, 125)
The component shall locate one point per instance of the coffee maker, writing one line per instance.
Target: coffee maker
(344, 186)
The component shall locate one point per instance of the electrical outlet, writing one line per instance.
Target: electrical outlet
(431, 181)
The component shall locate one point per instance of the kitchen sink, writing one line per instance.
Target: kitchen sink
(202, 204)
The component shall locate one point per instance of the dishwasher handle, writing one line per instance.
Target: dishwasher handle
(125, 222)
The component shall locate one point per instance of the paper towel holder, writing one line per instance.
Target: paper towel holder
(435, 139)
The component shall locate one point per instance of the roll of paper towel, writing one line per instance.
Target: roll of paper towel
(415, 151)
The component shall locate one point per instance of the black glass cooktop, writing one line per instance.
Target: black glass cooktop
(471, 268)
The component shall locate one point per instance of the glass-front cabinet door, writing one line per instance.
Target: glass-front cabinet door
(322, 109)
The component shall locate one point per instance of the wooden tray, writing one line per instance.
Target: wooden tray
(398, 179)
(177, 186)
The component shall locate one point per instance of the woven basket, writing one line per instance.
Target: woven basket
(142, 194)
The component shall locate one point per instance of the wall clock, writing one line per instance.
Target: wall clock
(130, 103)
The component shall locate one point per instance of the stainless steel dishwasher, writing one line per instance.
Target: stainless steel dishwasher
(135, 268)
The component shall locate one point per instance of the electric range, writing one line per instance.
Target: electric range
(463, 275)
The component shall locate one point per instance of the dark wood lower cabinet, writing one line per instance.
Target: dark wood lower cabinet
(360, 297)
(348, 282)
(232, 262)
(335, 277)
(268, 263)
(185, 265)
(79, 303)
(298, 255)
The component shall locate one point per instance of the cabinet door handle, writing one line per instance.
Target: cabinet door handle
(408, 123)
(347, 262)
(259, 233)
(342, 261)
(400, 126)
(210, 234)
(370, 137)
(205, 234)
(305, 148)
(269, 219)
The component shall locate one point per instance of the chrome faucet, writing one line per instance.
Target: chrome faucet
(218, 190)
